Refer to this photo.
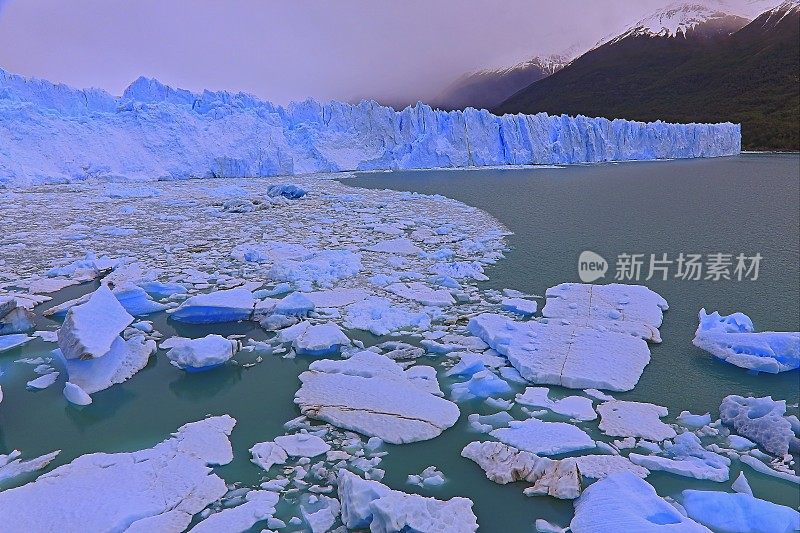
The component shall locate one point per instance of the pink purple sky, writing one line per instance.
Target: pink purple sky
(398, 51)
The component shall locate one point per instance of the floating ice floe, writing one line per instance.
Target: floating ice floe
(687, 457)
(370, 504)
(577, 407)
(9, 342)
(287, 190)
(124, 359)
(741, 485)
(258, 506)
(267, 454)
(430, 477)
(302, 445)
(317, 268)
(422, 293)
(632, 309)
(399, 246)
(544, 438)
(552, 353)
(625, 502)
(144, 490)
(90, 329)
(76, 395)
(338, 297)
(519, 306)
(137, 301)
(634, 419)
(42, 382)
(230, 305)
(371, 394)
(482, 384)
(195, 355)
(693, 421)
(760, 466)
(294, 304)
(738, 513)
(557, 478)
(12, 466)
(315, 339)
(381, 317)
(732, 339)
(15, 317)
(761, 420)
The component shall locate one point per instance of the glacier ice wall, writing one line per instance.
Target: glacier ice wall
(55, 133)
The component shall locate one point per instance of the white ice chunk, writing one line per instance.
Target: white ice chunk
(400, 246)
(76, 395)
(761, 420)
(338, 297)
(572, 356)
(194, 355)
(373, 505)
(230, 305)
(123, 360)
(519, 306)
(422, 293)
(687, 457)
(381, 317)
(259, 505)
(732, 339)
(9, 342)
(266, 454)
(302, 445)
(625, 502)
(173, 476)
(12, 466)
(320, 339)
(91, 328)
(634, 419)
(739, 513)
(576, 407)
(370, 393)
(632, 309)
(741, 485)
(42, 382)
(544, 438)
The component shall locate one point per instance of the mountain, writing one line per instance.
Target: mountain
(687, 63)
(485, 89)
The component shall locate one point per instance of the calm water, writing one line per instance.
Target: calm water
(745, 204)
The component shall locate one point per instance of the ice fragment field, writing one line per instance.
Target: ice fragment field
(381, 291)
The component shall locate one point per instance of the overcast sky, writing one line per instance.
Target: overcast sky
(397, 51)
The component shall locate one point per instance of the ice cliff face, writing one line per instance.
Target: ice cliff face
(54, 133)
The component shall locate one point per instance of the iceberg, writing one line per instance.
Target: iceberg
(371, 394)
(90, 329)
(762, 420)
(577, 407)
(625, 502)
(731, 338)
(120, 363)
(302, 445)
(195, 355)
(12, 466)
(687, 457)
(9, 342)
(230, 305)
(370, 504)
(620, 418)
(136, 491)
(552, 353)
(259, 505)
(15, 317)
(739, 513)
(221, 134)
(544, 438)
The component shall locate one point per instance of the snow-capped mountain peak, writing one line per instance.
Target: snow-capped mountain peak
(779, 12)
(675, 20)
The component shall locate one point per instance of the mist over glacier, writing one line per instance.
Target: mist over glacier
(55, 133)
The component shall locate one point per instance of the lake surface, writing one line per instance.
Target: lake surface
(746, 204)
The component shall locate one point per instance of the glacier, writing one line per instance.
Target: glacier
(53, 133)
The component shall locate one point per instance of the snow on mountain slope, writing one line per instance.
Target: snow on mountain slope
(775, 15)
(54, 133)
(484, 89)
(677, 20)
